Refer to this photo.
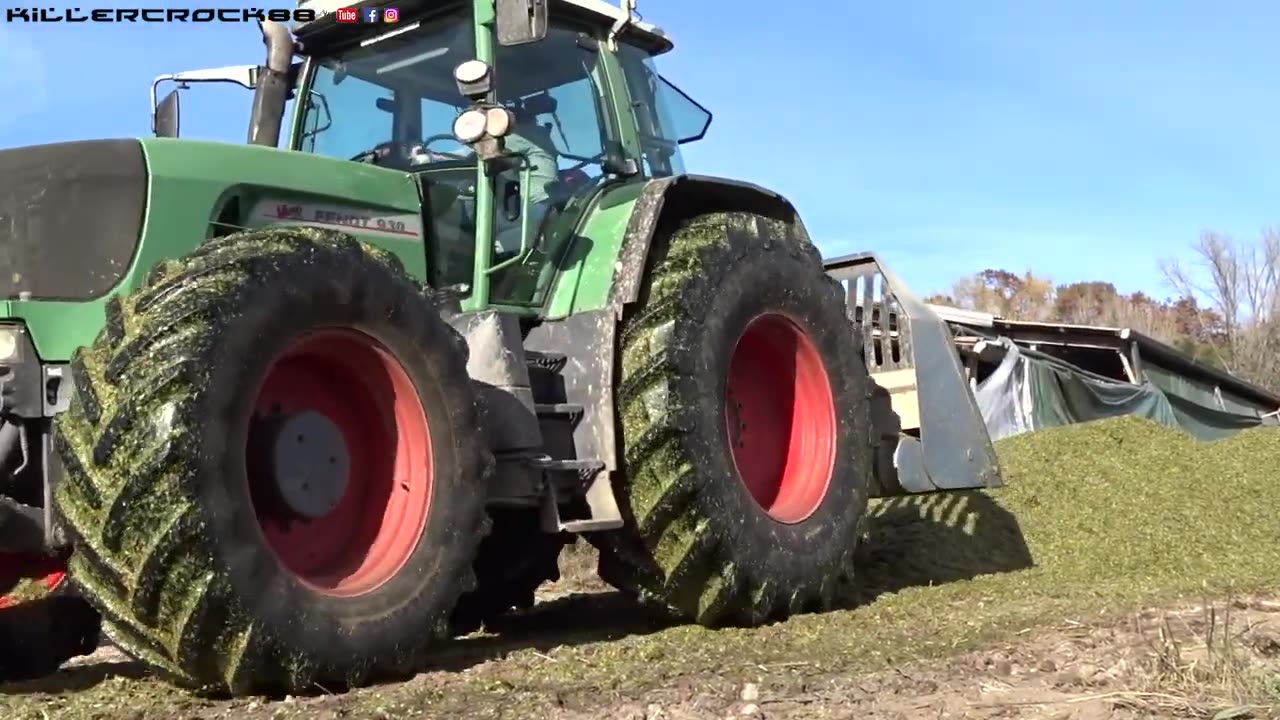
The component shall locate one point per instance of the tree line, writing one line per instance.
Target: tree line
(1223, 308)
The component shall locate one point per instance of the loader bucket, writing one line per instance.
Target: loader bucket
(936, 434)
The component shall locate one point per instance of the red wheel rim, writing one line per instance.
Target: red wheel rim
(780, 417)
(28, 577)
(370, 533)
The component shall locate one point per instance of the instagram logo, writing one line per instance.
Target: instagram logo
(347, 15)
(390, 15)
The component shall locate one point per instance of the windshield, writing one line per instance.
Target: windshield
(392, 99)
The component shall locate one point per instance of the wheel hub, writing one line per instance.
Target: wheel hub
(780, 418)
(338, 462)
(309, 463)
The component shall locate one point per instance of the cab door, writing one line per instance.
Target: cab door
(567, 147)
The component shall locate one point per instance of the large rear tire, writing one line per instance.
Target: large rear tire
(274, 466)
(746, 426)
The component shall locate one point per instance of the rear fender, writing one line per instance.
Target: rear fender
(942, 441)
(664, 202)
(588, 336)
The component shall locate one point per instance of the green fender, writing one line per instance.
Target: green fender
(621, 223)
(587, 302)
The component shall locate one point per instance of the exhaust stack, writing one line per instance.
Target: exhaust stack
(272, 90)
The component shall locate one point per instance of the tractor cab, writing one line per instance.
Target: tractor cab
(512, 116)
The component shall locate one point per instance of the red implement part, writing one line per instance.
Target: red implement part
(41, 625)
(375, 526)
(780, 414)
(29, 577)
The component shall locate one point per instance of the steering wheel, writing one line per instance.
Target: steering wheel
(378, 154)
(583, 161)
(403, 153)
(426, 145)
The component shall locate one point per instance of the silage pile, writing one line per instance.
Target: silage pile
(1124, 507)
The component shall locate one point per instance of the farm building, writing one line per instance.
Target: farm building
(1028, 376)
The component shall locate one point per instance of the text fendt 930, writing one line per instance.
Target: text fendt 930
(278, 418)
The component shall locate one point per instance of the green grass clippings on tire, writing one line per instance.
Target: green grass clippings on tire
(696, 539)
(155, 499)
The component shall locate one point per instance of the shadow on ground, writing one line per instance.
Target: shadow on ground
(77, 678)
(576, 619)
(925, 540)
(912, 542)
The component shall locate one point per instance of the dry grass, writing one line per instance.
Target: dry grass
(1199, 666)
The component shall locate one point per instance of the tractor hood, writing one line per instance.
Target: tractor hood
(70, 217)
(82, 221)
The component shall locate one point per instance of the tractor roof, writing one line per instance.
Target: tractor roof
(651, 37)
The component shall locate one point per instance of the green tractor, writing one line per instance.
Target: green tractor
(277, 418)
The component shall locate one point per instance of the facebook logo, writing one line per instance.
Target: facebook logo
(370, 15)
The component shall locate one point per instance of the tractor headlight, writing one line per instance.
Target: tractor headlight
(10, 344)
(470, 126)
(498, 122)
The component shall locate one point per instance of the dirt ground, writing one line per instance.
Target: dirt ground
(1194, 660)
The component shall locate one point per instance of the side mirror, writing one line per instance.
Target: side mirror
(164, 121)
(521, 22)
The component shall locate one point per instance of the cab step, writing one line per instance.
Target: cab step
(574, 466)
(568, 411)
(549, 361)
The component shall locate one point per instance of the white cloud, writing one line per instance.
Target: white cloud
(24, 80)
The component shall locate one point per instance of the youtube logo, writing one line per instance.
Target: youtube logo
(347, 15)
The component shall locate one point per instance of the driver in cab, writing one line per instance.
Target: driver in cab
(533, 142)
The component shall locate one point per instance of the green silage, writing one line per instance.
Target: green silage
(1132, 508)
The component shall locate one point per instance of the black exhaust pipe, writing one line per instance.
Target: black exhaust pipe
(272, 91)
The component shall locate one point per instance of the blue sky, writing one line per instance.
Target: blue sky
(1082, 140)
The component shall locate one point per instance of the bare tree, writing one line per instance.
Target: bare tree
(1241, 282)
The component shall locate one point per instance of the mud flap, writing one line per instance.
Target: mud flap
(941, 440)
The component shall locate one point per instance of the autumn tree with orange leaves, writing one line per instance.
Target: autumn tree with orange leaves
(1225, 308)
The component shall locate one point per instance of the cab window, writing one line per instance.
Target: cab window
(666, 117)
(389, 95)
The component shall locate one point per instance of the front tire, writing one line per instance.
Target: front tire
(275, 471)
(745, 421)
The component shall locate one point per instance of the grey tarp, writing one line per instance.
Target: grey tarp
(1033, 391)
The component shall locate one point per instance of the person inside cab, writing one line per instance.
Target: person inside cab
(533, 142)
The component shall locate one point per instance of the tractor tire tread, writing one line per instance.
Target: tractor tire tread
(672, 550)
(142, 555)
